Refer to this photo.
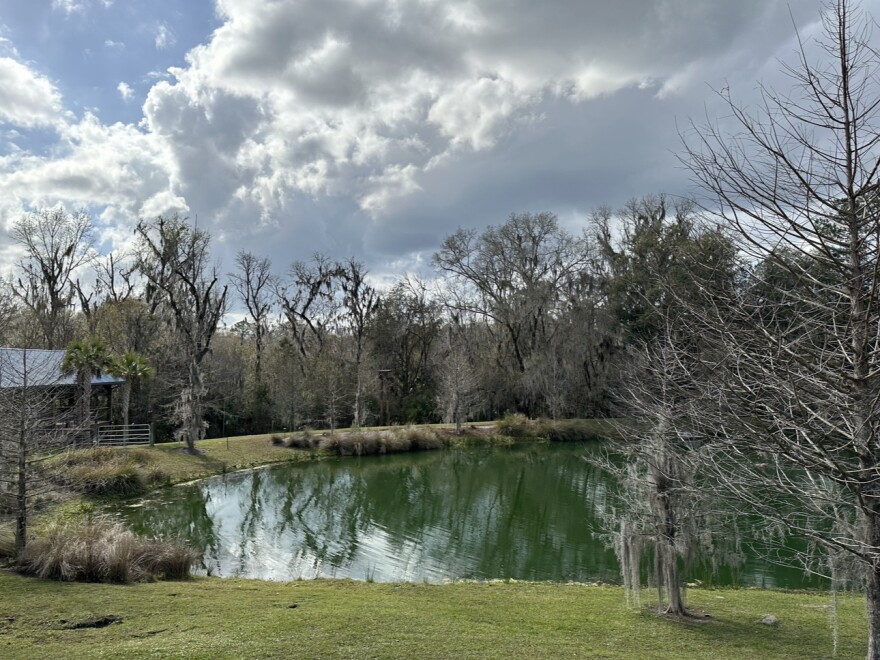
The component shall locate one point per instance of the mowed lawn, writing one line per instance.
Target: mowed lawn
(226, 618)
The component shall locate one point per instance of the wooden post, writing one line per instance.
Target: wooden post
(152, 437)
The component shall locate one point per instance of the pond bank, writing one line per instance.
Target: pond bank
(213, 617)
(135, 471)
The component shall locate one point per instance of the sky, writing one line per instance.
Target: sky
(365, 128)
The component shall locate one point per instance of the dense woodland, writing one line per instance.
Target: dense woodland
(521, 317)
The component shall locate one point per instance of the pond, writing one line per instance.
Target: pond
(526, 513)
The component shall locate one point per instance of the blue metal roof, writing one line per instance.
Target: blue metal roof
(41, 367)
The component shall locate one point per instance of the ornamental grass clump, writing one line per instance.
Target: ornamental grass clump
(421, 439)
(109, 471)
(101, 550)
(368, 443)
(516, 425)
(304, 440)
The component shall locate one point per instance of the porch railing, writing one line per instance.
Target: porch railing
(121, 435)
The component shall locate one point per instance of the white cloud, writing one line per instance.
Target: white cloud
(164, 37)
(78, 6)
(125, 91)
(335, 98)
(118, 168)
(304, 113)
(109, 43)
(29, 99)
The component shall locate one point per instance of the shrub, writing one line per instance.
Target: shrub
(277, 440)
(516, 425)
(367, 443)
(422, 439)
(571, 430)
(100, 550)
(305, 440)
(109, 471)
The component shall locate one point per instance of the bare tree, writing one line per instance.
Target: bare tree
(458, 386)
(360, 302)
(174, 258)
(254, 282)
(33, 424)
(517, 277)
(792, 407)
(309, 301)
(56, 244)
(656, 462)
(114, 283)
(9, 312)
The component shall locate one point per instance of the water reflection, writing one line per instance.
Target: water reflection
(523, 513)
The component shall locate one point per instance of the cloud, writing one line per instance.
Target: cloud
(109, 43)
(29, 99)
(164, 37)
(118, 169)
(78, 6)
(376, 126)
(363, 99)
(125, 91)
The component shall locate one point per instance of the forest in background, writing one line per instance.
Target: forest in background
(521, 317)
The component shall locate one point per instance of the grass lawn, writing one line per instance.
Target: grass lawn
(222, 455)
(217, 618)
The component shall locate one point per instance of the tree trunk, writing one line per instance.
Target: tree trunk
(126, 402)
(872, 595)
(873, 608)
(21, 518)
(357, 399)
(193, 416)
(671, 578)
(358, 404)
(87, 403)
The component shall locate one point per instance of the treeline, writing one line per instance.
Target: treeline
(521, 317)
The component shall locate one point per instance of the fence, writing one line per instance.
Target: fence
(113, 435)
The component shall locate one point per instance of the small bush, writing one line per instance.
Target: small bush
(516, 425)
(422, 439)
(305, 440)
(100, 550)
(109, 471)
(277, 440)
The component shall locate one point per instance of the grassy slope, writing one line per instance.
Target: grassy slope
(242, 452)
(211, 617)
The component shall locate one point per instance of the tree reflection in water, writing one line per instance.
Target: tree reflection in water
(524, 513)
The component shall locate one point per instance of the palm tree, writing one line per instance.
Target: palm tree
(86, 358)
(131, 367)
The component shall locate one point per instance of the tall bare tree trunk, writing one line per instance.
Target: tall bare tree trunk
(21, 517)
(873, 590)
(193, 419)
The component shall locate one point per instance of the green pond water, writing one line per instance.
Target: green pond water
(527, 513)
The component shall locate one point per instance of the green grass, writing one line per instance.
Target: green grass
(216, 618)
(135, 470)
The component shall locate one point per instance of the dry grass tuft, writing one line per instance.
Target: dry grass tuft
(109, 471)
(101, 550)
(367, 443)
